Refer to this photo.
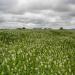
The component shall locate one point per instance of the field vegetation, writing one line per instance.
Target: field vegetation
(37, 52)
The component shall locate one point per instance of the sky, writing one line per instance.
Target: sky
(37, 14)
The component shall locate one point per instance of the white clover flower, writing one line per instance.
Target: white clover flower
(45, 66)
(69, 69)
(36, 68)
(41, 63)
(37, 59)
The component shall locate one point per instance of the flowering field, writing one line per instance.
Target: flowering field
(37, 52)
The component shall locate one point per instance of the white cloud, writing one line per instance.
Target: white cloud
(37, 13)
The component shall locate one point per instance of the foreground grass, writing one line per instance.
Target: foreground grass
(37, 52)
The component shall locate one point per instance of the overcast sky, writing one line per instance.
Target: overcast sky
(37, 13)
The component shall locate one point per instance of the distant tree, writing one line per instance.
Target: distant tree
(23, 28)
(61, 28)
(45, 28)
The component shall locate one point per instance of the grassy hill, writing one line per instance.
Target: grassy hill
(37, 52)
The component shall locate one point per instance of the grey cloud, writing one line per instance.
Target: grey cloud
(21, 6)
(37, 13)
(70, 1)
(7, 5)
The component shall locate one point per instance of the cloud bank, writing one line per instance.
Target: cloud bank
(37, 13)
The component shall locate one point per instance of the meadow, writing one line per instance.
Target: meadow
(37, 52)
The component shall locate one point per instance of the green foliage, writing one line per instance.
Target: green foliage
(37, 52)
(61, 28)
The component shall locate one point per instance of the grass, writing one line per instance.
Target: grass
(37, 52)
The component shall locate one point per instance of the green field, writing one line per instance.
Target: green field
(37, 52)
